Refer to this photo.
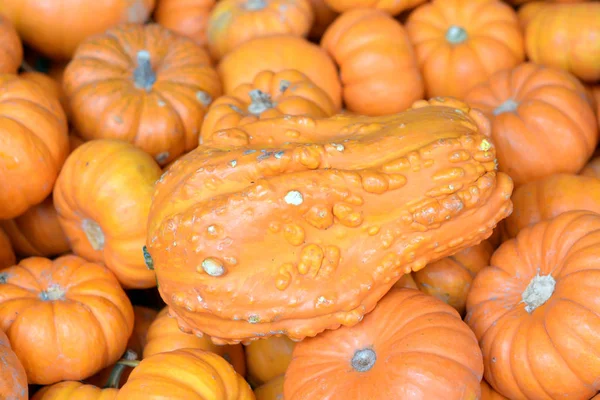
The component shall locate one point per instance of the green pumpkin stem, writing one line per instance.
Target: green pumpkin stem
(129, 360)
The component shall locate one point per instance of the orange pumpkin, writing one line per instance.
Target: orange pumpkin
(323, 215)
(528, 11)
(13, 381)
(277, 53)
(324, 16)
(393, 7)
(266, 359)
(11, 49)
(488, 392)
(460, 44)
(83, 299)
(411, 346)
(185, 17)
(33, 133)
(55, 30)
(7, 254)
(450, 278)
(378, 67)
(164, 335)
(75, 390)
(102, 197)
(565, 36)
(233, 22)
(536, 111)
(272, 390)
(190, 374)
(153, 95)
(536, 310)
(270, 95)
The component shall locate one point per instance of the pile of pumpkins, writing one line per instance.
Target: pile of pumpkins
(299, 199)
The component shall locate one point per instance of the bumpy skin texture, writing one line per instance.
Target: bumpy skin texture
(378, 67)
(185, 17)
(233, 22)
(266, 359)
(33, 144)
(555, 25)
(455, 60)
(322, 215)
(539, 336)
(185, 374)
(393, 7)
(422, 349)
(270, 95)
(13, 381)
(74, 390)
(11, 48)
(161, 110)
(7, 254)
(56, 311)
(536, 111)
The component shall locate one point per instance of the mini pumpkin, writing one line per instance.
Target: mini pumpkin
(143, 84)
(13, 381)
(102, 197)
(11, 49)
(388, 6)
(272, 390)
(410, 346)
(266, 359)
(185, 17)
(460, 44)
(270, 95)
(83, 299)
(7, 254)
(308, 211)
(536, 111)
(378, 67)
(536, 310)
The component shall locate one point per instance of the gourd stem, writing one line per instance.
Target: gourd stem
(456, 34)
(143, 76)
(363, 360)
(261, 102)
(115, 375)
(538, 292)
(129, 363)
(255, 5)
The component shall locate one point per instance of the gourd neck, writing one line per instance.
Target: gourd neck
(261, 102)
(143, 75)
(363, 360)
(456, 34)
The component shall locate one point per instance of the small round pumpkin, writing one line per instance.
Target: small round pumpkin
(11, 49)
(537, 111)
(33, 133)
(460, 44)
(233, 22)
(266, 359)
(7, 254)
(143, 84)
(13, 380)
(393, 7)
(185, 17)
(56, 311)
(272, 390)
(103, 197)
(410, 346)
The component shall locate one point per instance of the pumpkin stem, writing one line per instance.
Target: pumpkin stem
(363, 360)
(143, 76)
(115, 375)
(284, 85)
(538, 291)
(255, 5)
(261, 102)
(508, 106)
(53, 293)
(456, 34)
(148, 258)
(94, 234)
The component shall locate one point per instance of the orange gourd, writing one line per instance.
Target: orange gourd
(266, 359)
(83, 299)
(33, 133)
(185, 17)
(536, 310)
(272, 390)
(460, 44)
(13, 381)
(233, 22)
(411, 346)
(323, 215)
(7, 254)
(11, 49)
(154, 94)
(536, 111)
(270, 95)
(378, 67)
(488, 392)
(75, 390)
(393, 7)
(102, 197)
(324, 16)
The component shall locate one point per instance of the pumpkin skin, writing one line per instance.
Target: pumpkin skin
(7, 254)
(272, 390)
(164, 335)
(539, 283)
(69, 390)
(324, 16)
(34, 128)
(555, 25)
(11, 49)
(277, 53)
(528, 11)
(233, 22)
(110, 228)
(411, 346)
(83, 298)
(270, 95)
(185, 17)
(57, 30)
(450, 278)
(13, 381)
(488, 393)
(378, 67)
(460, 44)
(52, 85)
(389, 7)
(185, 374)
(592, 168)
(153, 95)
(267, 204)
(266, 359)
(536, 111)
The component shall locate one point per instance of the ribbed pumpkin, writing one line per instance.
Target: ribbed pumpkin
(378, 67)
(393, 7)
(143, 84)
(460, 44)
(536, 310)
(51, 84)
(185, 17)
(323, 215)
(11, 49)
(75, 390)
(536, 111)
(13, 381)
(7, 254)
(267, 359)
(272, 390)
